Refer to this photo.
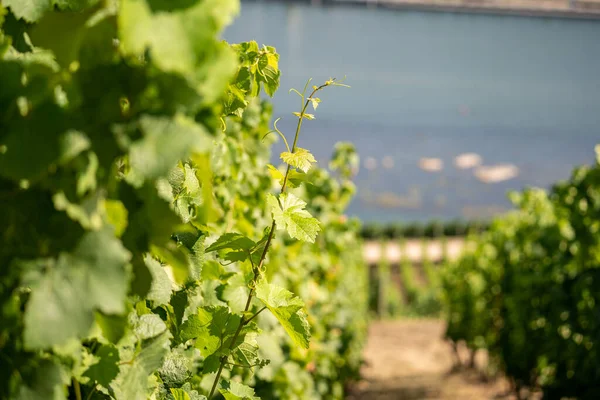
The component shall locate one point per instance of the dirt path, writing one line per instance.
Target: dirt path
(409, 359)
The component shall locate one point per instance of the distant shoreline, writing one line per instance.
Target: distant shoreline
(574, 9)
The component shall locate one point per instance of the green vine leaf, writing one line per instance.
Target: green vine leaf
(30, 11)
(107, 367)
(165, 141)
(132, 381)
(291, 216)
(235, 292)
(186, 393)
(270, 76)
(294, 179)
(275, 173)
(160, 289)
(231, 241)
(116, 215)
(197, 327)
(171, 34)
(151, 145)
(113, 327)
(246, 354)
(236, 391)
(175, 256)
(213, 328)
(300, 158)
(304, 115)
(180, 394)
(149, 326)
(233, 247)
(288, 309)
(64, 298)
(46, 383)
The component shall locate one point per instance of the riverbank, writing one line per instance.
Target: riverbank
(585, 9)
(581, 9)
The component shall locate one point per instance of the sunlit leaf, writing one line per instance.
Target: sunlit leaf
(288, 309)
(300, 158)
(236, 391)
(291, 216)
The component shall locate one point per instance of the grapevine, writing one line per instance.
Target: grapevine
(133, 174)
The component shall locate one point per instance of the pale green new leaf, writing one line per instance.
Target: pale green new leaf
(291, 216)
(288, 309)
(179, 394)
(186, 390)
(300, 158)
(233, 390)
(294, 179)
(305, 115)
(275, 173)
(116, 215)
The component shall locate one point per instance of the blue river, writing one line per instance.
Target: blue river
(517, 91)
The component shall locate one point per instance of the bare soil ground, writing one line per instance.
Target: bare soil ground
(409, 359)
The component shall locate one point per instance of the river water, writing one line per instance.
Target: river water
(515, 90)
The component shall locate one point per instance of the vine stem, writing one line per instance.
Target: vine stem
(91, 393)
(77, 389)
(257, 269)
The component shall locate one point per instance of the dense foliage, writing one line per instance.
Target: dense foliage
(528, 289)
(138, 214)
(430, 229)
